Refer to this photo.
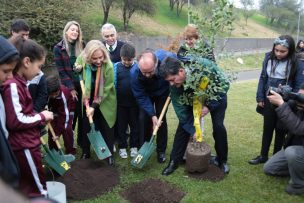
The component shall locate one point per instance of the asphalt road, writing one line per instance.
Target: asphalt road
(248, 75)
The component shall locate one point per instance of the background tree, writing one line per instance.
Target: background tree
(171, 4)
(129, 7)
(247, 9)
(106, 5)
(179, 6)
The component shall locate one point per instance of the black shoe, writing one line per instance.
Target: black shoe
(161, 157)
(85, 156)
(172, 166)
(258, 160)
(225, 168)
(111, 161)
(213, 160)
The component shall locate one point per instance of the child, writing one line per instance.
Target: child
(9, 170)
(22, 122)
(62, 104)
(126, 103)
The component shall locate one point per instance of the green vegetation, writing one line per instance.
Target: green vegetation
(245, 183)
(260, 19)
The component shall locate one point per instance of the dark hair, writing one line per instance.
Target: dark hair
(53, 84)
(298, 48)
(291, 54)
(127, 50)
(169, 66)
(28, 48)
(19, 25)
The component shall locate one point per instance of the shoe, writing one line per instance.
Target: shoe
(111, 161)
(85, 156)
(133, 152)
(258, 160)
(172, 166)
(161, 157)
(225, 168)
(294, 191)
(123, 153)
(213, 160)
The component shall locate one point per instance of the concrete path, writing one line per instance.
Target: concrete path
(248, 75)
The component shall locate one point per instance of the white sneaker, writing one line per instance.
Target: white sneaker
(123, 153)
(133, 152)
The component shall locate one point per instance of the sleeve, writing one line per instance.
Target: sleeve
(16, 119)
(115, 74)
(140, 94)
(299, 77)
(42, 95)
(291, 121)
(59, 62)
(260, 95)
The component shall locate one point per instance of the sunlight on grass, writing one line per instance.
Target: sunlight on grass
(245, 183)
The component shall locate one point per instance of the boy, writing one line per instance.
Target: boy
(61, 103)
(19, 27)
(127, 109)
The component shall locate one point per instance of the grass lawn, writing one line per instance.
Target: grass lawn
(245, 183)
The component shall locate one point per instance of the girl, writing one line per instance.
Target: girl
(21, 120)
(280, 67)
(65, 54)
(96, 63)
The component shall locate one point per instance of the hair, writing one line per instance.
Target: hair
(19, 25)
(147, 52)
(78, 43)
(169, 66)
(298, 48)
(191, 31)
(108, 26)
(291, 54)
(28, 48)
(127, 50)
(53, 84)
(91, 47)
(12, 59)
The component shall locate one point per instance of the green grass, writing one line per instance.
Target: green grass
(245, 183)
(260, 19)
(251, 62)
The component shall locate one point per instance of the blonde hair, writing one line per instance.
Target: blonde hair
(78, 43)
(93, 46)
(191, 31)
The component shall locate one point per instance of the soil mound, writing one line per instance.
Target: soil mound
(88, 179)
(152, 190)
(213, 173)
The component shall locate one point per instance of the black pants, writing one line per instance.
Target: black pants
(78, 113)
(100, 125)
(180, 142)
(147, 125)
(127, 116)
(270, 125)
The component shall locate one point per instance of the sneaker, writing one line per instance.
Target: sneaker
(133, 152)
(294, 191)
(123, 153)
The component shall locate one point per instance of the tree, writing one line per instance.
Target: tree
(171, 4)
(106, 5)
(129, 7)
(179, 6)
(247, 8)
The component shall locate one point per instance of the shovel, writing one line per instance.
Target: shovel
(99, 145)
(69, 157)
(147, 149)
(54, 159)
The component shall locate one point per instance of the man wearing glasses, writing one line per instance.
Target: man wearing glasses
(151, 92)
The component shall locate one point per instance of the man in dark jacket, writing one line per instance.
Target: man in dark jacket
(290, 160)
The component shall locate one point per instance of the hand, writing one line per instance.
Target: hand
(55, 138)
(261, 104)
(194, 137)
(205, 111)
(77, 67)
(90, 112)
(275, 98)
(155, 122)
(74, 95)
(48, 115)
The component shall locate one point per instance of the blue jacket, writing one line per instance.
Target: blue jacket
(145, 88)
(265, 82)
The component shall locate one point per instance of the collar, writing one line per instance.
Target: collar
(113, 46)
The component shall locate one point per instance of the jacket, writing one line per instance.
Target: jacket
(21, 120)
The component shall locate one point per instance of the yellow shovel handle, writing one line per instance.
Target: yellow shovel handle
(87, 106)
(162, 115)
(54, 135)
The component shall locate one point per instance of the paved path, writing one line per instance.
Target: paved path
(248, 75)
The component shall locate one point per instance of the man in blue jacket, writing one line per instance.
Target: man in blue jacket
(151, 92)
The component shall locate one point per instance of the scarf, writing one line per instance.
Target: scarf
(99, 83)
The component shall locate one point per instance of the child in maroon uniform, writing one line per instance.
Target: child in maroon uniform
(62, 104)
(21, 121)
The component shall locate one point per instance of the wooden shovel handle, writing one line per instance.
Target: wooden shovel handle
(162, 115)
(54, 135)
(83, 93)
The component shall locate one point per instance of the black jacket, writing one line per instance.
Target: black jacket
(293, 120)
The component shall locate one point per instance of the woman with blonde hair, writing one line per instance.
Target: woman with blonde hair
(100, 94)
(65, 53)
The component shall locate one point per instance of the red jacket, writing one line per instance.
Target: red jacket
(21, 120)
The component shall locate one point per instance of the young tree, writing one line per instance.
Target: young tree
(247, 8)
(179, 6)
(106, 5)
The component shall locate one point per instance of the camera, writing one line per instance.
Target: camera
(286, 92)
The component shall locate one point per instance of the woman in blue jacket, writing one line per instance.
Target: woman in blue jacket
(280, 67)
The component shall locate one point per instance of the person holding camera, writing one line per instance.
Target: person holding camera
(280, 67)
(290, 160)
